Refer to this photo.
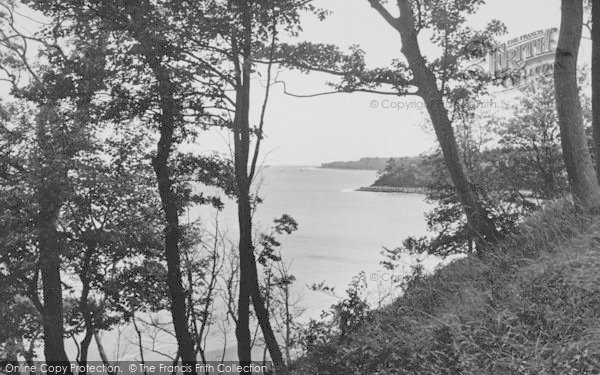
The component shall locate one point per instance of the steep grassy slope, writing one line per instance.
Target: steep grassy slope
(531, 306)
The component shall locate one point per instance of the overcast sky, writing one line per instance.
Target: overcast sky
(344, 126)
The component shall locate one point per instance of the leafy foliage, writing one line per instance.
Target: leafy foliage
(405, 172)
(530, 306)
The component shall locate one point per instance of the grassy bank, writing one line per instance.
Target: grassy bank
(530, 306)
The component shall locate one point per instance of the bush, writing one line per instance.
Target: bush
(530, 306)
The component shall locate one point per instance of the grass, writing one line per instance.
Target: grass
(530, 306)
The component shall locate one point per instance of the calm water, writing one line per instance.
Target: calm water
(340, 233)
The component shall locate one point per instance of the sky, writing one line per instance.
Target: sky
(302, 131)
(311, 131)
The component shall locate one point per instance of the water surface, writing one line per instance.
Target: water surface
(341, 232)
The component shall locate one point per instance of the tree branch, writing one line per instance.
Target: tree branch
(376, 4)
(349, 91)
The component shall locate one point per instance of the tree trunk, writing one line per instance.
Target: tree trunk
(596, 82)
(172, 230)
(262, 314)
(167, 123)
(288, 319)
(84, 306)
(139, 340)
(101, 351)
(582, 177)
(249, 286)
(478, 220)
(245, 248)
(241, 153)
(50, 181)
(54, 350)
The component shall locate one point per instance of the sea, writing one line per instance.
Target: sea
(341, 233)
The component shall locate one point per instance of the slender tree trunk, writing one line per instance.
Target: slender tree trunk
(249, 286)
(91, 83)
(170, 111)
(288, 321)
(479, 222)
(245, 248)
(139, 339)
(172, 231)
(101, 351)
(596, 82)
(582, 177)
(50, 181)
(84, 306)
(85, 346)
(262, 314)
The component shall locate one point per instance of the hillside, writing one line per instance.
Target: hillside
(408, 171)
(530, 306)
(368, 163)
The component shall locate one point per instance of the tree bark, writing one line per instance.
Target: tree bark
(241, 150)
(245, 247)
(139, 340)
(54, 350)
(101, 351)
(170, 111)
(596, 82)
(582, 177)
(84, 306)
(262, 314)
(169, 203)
(249, 286)
(50, 180)
(478, 220)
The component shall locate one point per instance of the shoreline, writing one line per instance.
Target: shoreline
(348, 169)
(396, 189)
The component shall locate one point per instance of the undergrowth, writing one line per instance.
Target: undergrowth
(530, 305)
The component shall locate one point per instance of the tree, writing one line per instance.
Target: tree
(499, 191)
(152, 81)
(21, 328)
(111, 224)
(149, 81)
(530, 138)
(62, 91)
(405, 172)
(445, 19)
(439, 83)
(582, 177)
(21, 307)
(596, 82)
(242, 39)
(250, 30)
(277, 280)
(108, 220)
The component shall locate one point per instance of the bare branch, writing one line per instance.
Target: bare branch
(349, 91)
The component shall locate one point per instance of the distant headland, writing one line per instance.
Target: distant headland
(366, 163)
(407, 174)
